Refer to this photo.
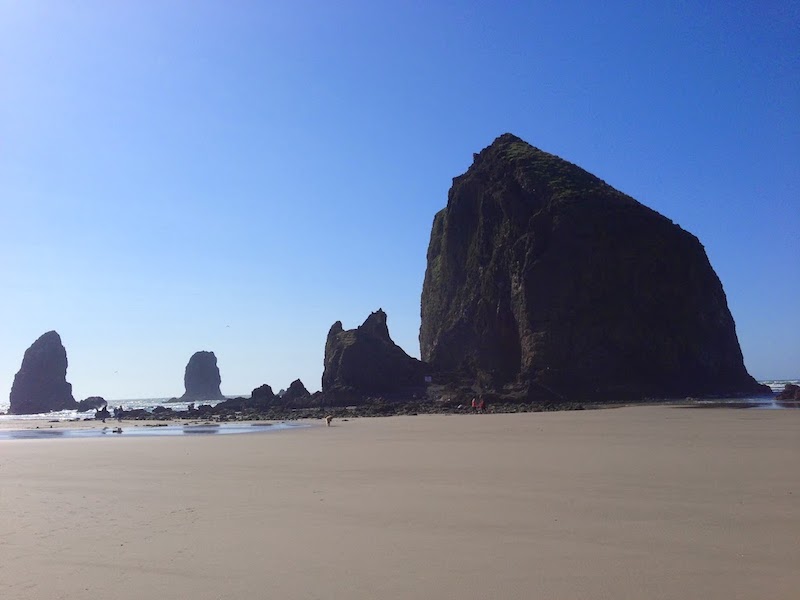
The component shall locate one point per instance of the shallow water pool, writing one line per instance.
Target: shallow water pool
(145, 430)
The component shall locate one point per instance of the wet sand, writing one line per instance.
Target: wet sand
(639, 502)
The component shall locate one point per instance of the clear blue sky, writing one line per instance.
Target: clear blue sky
(236, 176)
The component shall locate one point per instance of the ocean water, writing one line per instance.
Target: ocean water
(128, 428)
(68, 415)
(777, 385)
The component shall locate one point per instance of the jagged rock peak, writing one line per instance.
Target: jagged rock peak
(295, 392)
(263, 393)
(366, 361)
(41, 383)
(375, 324)
(202, 379)
(542, 278)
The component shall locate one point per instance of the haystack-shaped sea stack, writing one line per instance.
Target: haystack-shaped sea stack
(202, 379)
(41, 383)
(366, 361)
(544, 281)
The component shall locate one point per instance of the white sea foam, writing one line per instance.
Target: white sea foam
(777, 385)
(69, 415)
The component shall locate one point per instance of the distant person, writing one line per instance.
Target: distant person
(474, 405)
(102, 414)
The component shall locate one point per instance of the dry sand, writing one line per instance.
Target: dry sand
(640, 503)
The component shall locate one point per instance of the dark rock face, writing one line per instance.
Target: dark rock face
(202, 378)
(41, 383)
(366, 361)
(789, 392)
(544, 281)
(91, 403)
(263, 393)
(261, 398)
(296, 392)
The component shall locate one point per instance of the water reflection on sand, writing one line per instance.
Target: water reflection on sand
(143, 431)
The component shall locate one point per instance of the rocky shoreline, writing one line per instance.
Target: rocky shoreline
(383, 408)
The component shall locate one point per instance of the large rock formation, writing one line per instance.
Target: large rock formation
(41, 383)
(544, 281)
(202, 379)
(365, 361)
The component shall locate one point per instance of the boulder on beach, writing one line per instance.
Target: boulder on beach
(543, 281)
(41, 384)
(92, 403)
(365, 361)
(789, 392)
(202, 379)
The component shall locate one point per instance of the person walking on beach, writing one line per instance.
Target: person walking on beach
(474, 405)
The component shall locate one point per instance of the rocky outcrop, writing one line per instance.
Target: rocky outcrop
(296, 393)
(91, 403)
(202, 379)
(544, 281)
(365, 361)
(261, 398)
(263, 393)
(41, 383)
(789, 392)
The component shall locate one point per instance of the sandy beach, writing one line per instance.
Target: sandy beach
(638, 502)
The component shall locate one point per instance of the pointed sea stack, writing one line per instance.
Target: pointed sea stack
(263, 394)
(202, 379)
(296, 392)
(41, 383)
(365, 361)
(544, 282)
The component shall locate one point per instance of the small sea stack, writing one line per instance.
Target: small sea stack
(41, 383)
(202, 379)
(263, 393)
(296, 392)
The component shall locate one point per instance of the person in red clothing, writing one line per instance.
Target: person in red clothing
(474, 405)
